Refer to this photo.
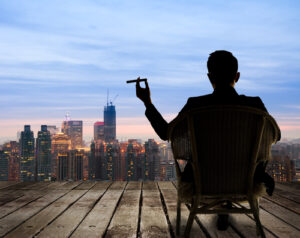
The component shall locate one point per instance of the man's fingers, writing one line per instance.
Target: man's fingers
(138, 83)
(146, 83)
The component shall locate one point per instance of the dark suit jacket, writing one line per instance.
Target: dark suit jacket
(220, 96)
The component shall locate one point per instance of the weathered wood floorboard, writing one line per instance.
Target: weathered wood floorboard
(96, 222)
(28, 197)
(125, 220)
(9, 196)
(70, 185)
(209, 222)
(289, 187)
(56, 185)
(14, 219)
(94, 209)
(277, 226)
(169, 193)
(284, 214)
(6, 184)
(66, 223)
(34, 225)
(284, 202)
(153, 219)
(36, 186)
(101, 185)
(86, 185)
(246, 226)
(20, 185)
(286, 194)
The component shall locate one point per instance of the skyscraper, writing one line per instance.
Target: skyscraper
(27, 160)
(3, 165)
(134, 155)
(12, 150)
(109, 122)
(152, 159)
(74, 130)
(61, 145)
(43, 154)
(99, 130)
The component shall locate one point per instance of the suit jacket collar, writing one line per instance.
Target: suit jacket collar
(225, 91)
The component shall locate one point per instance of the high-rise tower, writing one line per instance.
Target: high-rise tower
(109, 122)
(27, 160)
(74, 130)
(43, 154)
(99, 130)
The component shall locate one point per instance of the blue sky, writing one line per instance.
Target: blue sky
(59, 56)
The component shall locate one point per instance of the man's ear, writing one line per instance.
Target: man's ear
(237, 77)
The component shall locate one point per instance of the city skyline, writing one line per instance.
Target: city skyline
(58, 60)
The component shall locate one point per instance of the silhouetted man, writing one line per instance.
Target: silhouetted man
(223, 75)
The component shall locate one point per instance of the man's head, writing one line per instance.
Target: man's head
(222, 68)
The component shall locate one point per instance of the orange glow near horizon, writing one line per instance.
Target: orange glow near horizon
(137, 127)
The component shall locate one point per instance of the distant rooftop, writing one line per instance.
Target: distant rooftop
(99, 123)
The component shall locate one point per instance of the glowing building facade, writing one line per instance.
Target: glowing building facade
(74, 130)
(99, 130)
(43, 154)
(60, 146)
(27, 159)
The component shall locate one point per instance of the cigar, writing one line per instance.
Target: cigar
(135, 80)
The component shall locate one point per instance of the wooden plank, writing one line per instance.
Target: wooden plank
(20, 185)
(209, 222)
(289, 187)
(125, 220)
(100, 185)
(170, 197)
(246, 226)
(33, 225)
(70, 185)
(86, 185)
(66, 223)
(284, 214)
(153, 220)
(9, 196)
(96, 222)
(6, 184)
(56, 185)
(134, 185)
(284, 202)
(16, 218)
(28, 197)
(149, 186)
(118, 185)
(286, 194)
(37, 186)
(278, 227)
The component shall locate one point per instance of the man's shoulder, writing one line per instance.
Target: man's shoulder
(199, 98)
(252, 102)
(199, 101)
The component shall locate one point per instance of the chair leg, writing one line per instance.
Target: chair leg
(255, 208)
(178, 217)
(189, 224)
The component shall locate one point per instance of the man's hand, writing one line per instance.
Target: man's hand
(143, 93)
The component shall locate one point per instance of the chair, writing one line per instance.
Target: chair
(224, 144)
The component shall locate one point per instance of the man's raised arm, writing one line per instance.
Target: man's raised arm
(158, 123)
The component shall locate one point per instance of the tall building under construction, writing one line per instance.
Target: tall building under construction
(109, 122)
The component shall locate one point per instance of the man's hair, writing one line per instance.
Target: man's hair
(223, 66)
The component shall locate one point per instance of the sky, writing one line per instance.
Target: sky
(64, 56)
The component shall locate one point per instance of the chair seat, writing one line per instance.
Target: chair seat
(186, 192)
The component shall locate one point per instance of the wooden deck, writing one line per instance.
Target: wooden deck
(134, 209)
